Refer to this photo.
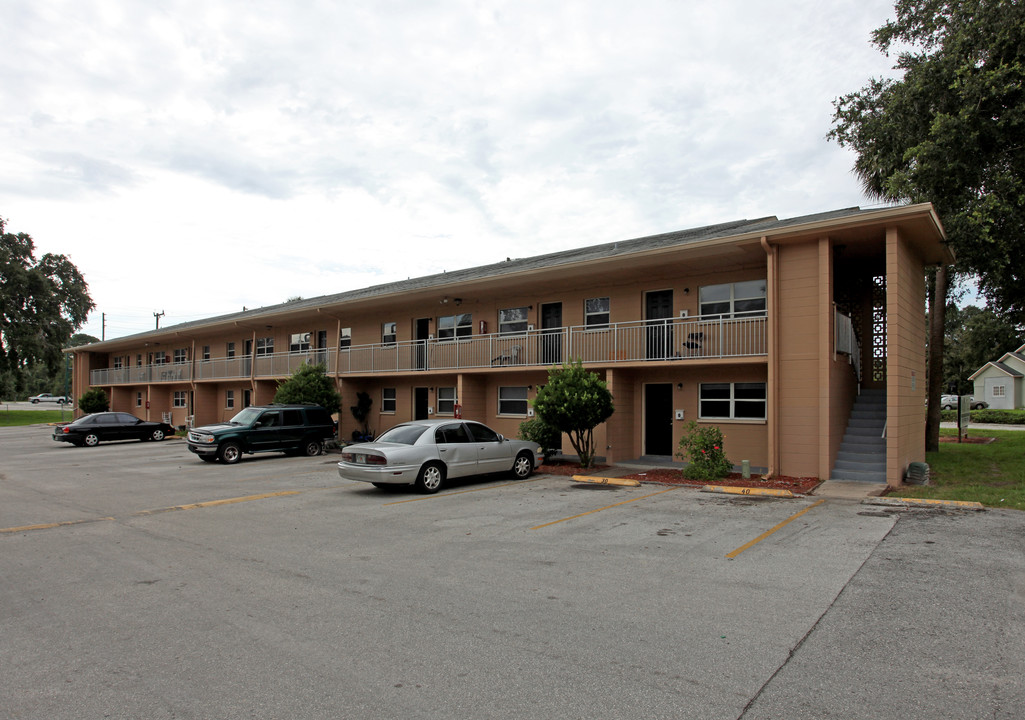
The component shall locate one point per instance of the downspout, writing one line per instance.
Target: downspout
(772, 336)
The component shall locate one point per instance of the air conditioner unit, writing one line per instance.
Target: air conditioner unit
(684, 313)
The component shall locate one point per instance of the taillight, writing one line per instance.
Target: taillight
(376, 460)
(66, 430)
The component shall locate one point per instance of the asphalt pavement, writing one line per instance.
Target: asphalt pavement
(140, 582)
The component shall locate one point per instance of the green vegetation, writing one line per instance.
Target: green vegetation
(310, 384)
(575, 401)
(538, 431)
(996, 417)
(94, 401)
(992, 474)
(702, 449)
(42, 302)
(17, 418)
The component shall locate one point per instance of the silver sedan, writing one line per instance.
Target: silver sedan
(427, 452)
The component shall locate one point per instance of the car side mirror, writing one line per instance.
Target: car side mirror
(501, 438)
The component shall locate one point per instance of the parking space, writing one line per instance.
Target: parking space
(273, 588)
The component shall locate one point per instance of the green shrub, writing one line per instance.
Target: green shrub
(94, 401)
(310, 384)
(996, 417)
(702, 449)
(575, 401)
(538, 431)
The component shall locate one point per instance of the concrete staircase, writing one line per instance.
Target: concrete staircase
(862, 455)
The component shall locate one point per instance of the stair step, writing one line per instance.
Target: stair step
(856, 476)
(860, 465)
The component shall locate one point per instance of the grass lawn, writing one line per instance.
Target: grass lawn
(11, 418)
(992, 474)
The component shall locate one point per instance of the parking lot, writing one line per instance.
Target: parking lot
(141, 582)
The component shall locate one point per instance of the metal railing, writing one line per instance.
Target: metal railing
(846, 341)
(645, 340)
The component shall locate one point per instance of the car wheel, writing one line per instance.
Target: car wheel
(313, 448)
(948, 407)
(208, 458)
(35, 402)
(230, 453)
(431, 476)
(523, 465)
(157, 435)
(92, 439)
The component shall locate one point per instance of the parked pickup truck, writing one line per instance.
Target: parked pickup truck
(47, 397)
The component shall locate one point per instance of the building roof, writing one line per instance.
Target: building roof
(735, 231)
(1002, 367)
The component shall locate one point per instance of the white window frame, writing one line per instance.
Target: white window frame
(345, 338)
(299, 342)
(265, 346)
(389, 333)
(999, 391)
(455, 327)
(229, 349)
(138, 399)
(180, 399)
(389, 400)
(733, 400)
(504, 401)
(229, 399)
(597, 316)
(738, 293)
(513, 321)
(447, 400)
(181, 356)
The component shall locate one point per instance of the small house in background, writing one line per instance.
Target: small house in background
(1002, 383)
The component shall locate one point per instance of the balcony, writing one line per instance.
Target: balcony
(674, 339)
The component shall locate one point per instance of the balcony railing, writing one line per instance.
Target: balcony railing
(670, 339)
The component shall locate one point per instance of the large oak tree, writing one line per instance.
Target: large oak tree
(42, 302)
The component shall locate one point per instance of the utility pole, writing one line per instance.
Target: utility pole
(103, 326)
(158, 315)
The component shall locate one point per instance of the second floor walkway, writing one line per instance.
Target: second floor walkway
(710, 337)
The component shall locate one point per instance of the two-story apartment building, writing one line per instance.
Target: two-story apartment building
(770, 329)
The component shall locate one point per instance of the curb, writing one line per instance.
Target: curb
(733, 490)
(606, 481)
(902, 502)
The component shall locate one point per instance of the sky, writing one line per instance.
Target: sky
(194, 157)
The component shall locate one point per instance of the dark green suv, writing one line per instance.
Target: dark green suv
(292, 429)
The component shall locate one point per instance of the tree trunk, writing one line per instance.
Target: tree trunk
(937, 314)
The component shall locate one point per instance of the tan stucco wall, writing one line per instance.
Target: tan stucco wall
(798, 364)
(906, 359)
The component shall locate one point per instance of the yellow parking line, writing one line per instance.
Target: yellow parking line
(767, 533)
(591, 512)
(156, 511)
(460, 492)
(47, 526)
(214, 503)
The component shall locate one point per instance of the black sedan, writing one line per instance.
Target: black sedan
(91, 429)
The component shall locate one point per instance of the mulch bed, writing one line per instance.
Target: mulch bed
(567, 469)
(672, 476)
(970, 440)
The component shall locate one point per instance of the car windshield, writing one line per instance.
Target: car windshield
(246, 417)
(403, 434)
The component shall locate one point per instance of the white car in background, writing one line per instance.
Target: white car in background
(47, 397)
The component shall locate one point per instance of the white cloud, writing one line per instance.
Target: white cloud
(185, 154)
